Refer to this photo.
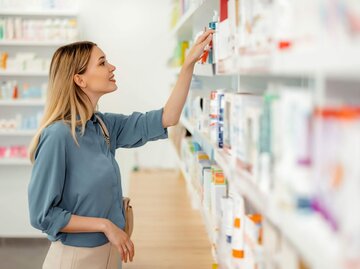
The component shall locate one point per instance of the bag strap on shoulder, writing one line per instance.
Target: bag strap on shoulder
(104, 130)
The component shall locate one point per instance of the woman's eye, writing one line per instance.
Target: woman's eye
(103, 63)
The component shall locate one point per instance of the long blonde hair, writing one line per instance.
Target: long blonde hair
(65, 99)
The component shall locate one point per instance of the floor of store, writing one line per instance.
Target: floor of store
(168, 233)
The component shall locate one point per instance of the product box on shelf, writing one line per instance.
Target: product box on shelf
(216, 117)
(293, 158)
(245, 130)
(201, 161)
(218, 189)
(24, 62)
(12, 89)
(228, 102)
(19, 29)
(21, 122)
(336, 175)
(13, 152)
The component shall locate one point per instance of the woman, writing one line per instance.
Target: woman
(75, 194)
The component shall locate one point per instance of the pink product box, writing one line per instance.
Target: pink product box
(13, 152)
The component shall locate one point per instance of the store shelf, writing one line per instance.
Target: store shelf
(24, 73)
(185, 19)
(14, 162)
(342, 62)
(40, 13)
(45, 43)
(310, 235)
(201, 13)
(204, 142)
(187, 124)
(205, 70)
(22, 102)
(17, 132)
(298, 228)
(199, 137)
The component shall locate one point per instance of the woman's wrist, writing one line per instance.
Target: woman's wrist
(105, 225)
(188, 64)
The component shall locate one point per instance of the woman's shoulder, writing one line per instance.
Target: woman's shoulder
(57, 130)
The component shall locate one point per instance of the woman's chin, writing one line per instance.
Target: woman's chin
(113, 88)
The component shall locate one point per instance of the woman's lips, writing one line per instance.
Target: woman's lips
(112, 78)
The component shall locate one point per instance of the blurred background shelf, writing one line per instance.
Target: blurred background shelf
(24, 73)
(22, 102)
(17, 132)
(38, 13)
(15, 162)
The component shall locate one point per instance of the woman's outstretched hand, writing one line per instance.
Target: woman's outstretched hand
(121, 241)
(197, 49)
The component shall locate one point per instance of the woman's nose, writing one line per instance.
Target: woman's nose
(112, 67)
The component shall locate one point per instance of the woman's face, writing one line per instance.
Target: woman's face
(99, 77)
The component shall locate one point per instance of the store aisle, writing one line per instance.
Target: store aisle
(168, 233)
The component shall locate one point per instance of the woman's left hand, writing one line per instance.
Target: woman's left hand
(198, 48)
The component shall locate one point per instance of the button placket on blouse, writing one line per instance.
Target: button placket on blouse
(107, 152)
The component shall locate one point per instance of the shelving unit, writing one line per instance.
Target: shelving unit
(15, 172)
(205, 70)
(23, 74)
(316, 67)
(39, 13)
(22, 102)
(14, 162)
(17, 132)
(296, 227)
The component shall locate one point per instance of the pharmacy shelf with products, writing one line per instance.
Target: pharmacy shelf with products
(28, 38)
(272, 123)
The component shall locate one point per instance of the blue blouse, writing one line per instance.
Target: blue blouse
(85, 181)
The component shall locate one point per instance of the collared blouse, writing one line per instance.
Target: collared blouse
(67, 179)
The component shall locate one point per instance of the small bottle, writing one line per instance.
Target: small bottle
(213, 25)
(15, 93)
(237, 244)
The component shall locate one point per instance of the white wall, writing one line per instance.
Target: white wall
(135, 38)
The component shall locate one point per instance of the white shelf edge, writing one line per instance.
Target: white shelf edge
(22, 102)
(204, 70)
(187, 124)
(276, 65)
(39, 12)
(14, 162)
(44, 43)
(17, 132)
(24, 73)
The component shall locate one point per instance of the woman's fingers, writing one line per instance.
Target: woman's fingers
(121, 253)
(130, 249)
(204, 36)
(126, 253)
(207, 40)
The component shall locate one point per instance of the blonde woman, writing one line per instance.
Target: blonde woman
(75, 194)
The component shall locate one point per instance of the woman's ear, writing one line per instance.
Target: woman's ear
(80, 81)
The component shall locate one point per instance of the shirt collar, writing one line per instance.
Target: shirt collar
(92, 118)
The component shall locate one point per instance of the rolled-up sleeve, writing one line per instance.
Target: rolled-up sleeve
(47, 182)
(136, 129)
